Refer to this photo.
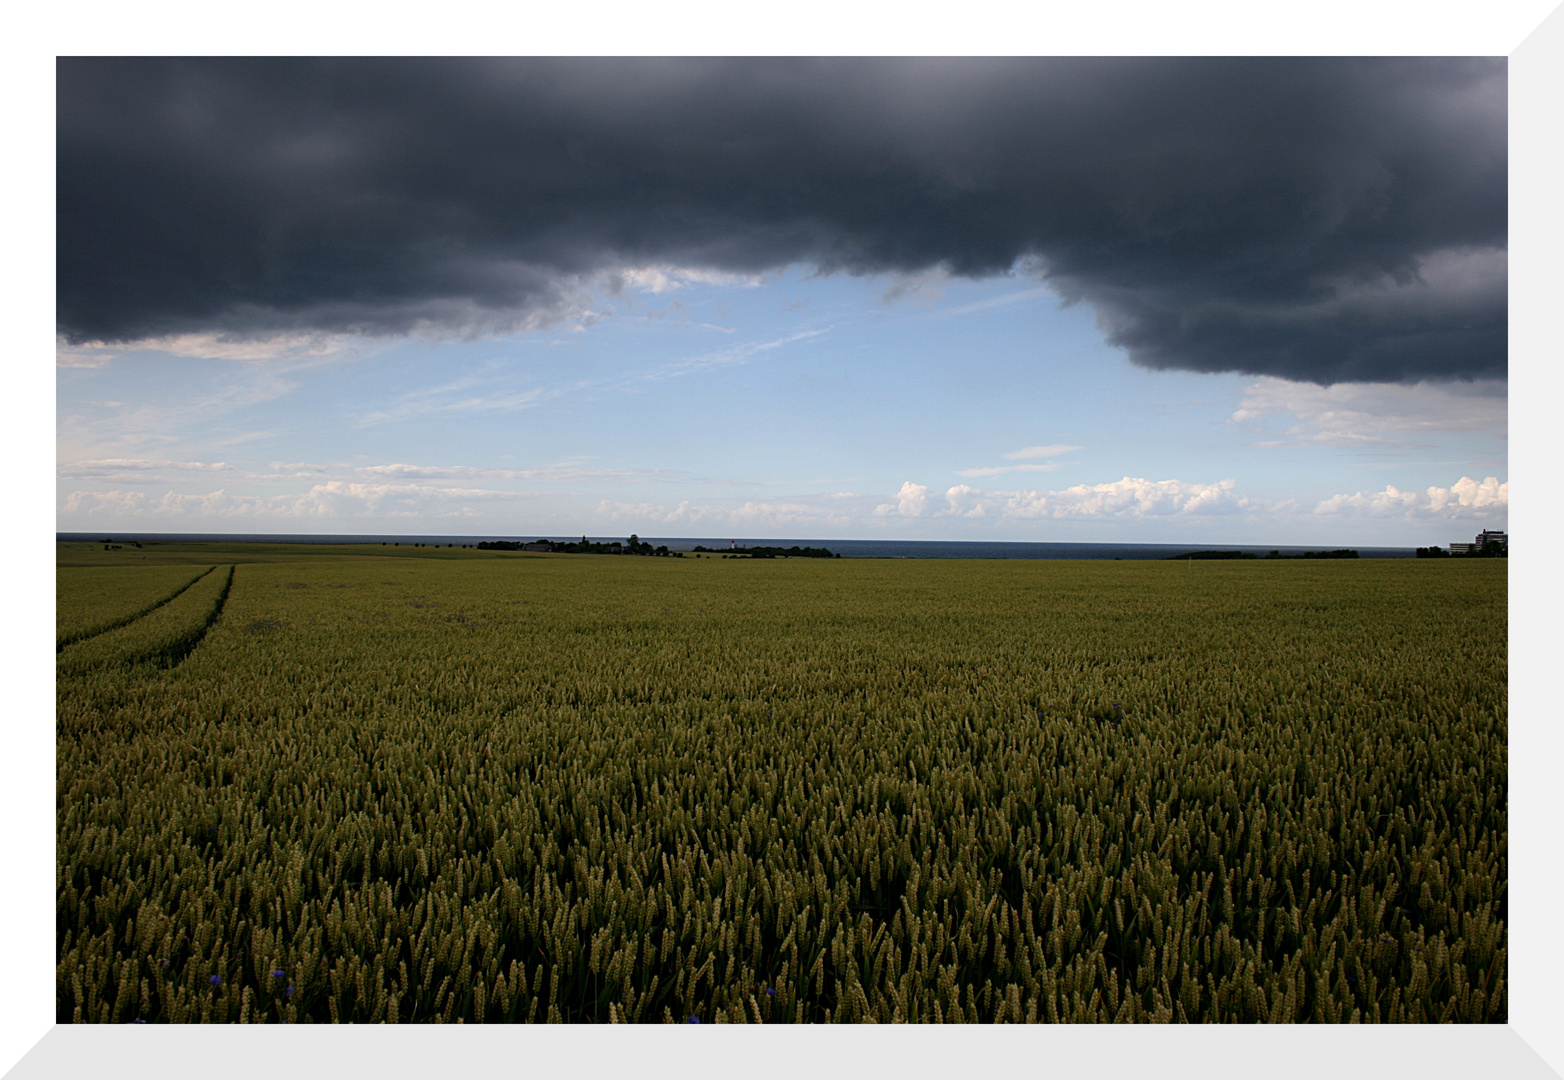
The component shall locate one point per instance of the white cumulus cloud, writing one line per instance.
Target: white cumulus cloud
(966, 501)
(911, 501)
(1131, 497)
(750, 516)
(1466, 498)
(1134, 497)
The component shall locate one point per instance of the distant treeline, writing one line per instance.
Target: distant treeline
(1491, 550)
(794, 552)
(635, 546)
(1339, 553)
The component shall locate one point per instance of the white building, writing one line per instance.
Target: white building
(1484, 537)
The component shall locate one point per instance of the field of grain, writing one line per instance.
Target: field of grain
(592, 788)
(87, 605)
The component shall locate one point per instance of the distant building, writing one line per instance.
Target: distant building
(1484, 538)
(539, 545)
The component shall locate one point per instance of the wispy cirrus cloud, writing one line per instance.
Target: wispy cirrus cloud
(473, 472)
(1053, 450)
(332, 499)
(1026, 455)
(470, 393)
(86, 355)
(735, 354)
(1006, 300)
(210, 406)
(294, 348)
(491, 392)
(131, 468)
(675, 313)
(999, 470)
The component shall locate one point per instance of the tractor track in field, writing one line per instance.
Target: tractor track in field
(173, 654)
(61, 645)
(171, 651)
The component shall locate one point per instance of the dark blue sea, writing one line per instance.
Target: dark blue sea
(857, 549)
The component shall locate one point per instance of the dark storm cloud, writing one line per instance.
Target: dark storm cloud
(1330, 220)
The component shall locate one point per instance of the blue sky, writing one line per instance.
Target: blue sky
(787, 404)
(1257, 300)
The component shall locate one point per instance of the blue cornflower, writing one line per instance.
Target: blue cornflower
(215, 979)
(278, 973)
(693, 1020)
(288, 992)
(770, 992)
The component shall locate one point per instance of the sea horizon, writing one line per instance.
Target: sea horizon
(860, 549)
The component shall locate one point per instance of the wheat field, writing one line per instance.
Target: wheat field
(492, 787)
